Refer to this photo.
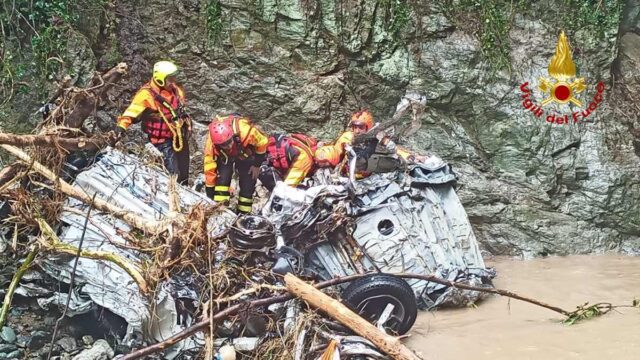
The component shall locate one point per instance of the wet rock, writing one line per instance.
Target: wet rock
(17, 354)
(7, 348)
(8, 335)
(296, 67)
(50, 321)
(44, 351)
(23, 340)
(87, 340)
(67, 343)
(38, 339)
(99, 351)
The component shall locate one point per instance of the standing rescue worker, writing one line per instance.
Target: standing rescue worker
(159, 105)
(233, 142)
(289, 159)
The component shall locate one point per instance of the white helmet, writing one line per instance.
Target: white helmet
(161, 70)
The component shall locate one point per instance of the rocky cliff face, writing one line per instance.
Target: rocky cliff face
(530, 187)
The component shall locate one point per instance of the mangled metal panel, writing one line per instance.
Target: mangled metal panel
(404, 223)
(125, 181)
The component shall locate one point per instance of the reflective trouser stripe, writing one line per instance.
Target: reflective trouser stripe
(245, 204)
(221, 193)
(245, 200)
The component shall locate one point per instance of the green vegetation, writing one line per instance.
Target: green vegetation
(491, 20)
(35, 33)
(213, 17)
(595, 16)
(399, 16)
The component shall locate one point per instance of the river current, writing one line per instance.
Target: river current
(502, 328)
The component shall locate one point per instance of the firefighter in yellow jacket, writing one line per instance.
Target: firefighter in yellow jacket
(233, 142)
(159, 105)
(289, 159)
(361, 122)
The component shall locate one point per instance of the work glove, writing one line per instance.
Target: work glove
(254, 171)
(115, 135)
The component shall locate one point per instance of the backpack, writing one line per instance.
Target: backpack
(282, 154)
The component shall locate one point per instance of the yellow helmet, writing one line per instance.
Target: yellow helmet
(162, 69)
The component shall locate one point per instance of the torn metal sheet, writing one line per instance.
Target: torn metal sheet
(124, 181)
(412, 223)
(77, 304)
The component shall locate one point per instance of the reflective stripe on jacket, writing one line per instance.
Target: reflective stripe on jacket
(146, 106)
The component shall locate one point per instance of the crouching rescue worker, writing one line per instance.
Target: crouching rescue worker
(159, 105)
(234, 144)
(327, 156)
(289, 159)
(361, 122)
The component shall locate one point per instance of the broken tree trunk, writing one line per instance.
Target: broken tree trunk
(76, 105)
(234, 309)
(149, 226)
(72, 144)
(55, 244)
(86, 100)
(8, 173)
(14, 284)
(334, 308)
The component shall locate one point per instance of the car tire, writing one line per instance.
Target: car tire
(369, 295)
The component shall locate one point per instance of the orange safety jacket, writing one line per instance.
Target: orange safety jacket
(155, 106)
(248, 141)
(291, 155)
(347, 137)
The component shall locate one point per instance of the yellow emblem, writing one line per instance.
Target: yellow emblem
(563, 70)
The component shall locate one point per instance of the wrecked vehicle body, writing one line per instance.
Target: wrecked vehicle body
(391, 222)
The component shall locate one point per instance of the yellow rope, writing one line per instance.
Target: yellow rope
(176, 131)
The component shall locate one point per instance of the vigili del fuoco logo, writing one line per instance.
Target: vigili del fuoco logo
(561, 89)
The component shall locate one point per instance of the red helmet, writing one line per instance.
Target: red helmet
(221, 131)
(362, 118)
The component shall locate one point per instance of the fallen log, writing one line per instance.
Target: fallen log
(149, 226)
(8, 173)
(86, 100)
(76, 105)
(56, 245)
(71, 144)
(389, 344)
(232, 310)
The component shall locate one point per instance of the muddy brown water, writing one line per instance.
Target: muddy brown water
(502, 329)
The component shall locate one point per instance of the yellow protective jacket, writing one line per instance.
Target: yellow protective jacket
(300, 168)
(159, 108)
(347, 137)
(250, 141)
